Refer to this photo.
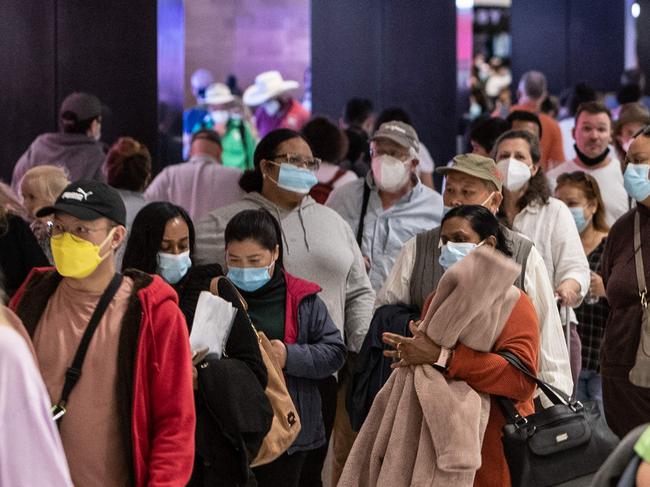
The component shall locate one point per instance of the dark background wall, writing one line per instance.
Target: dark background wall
(643, 40)
(570, 41)
(393, 54)
(50, 48)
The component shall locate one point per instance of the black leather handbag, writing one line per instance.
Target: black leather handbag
(561, 445)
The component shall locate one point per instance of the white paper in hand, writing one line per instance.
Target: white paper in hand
(213, 320)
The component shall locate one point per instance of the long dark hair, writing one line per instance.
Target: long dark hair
(483, 222)
(258, 225)
(147, 232)
(252, 180)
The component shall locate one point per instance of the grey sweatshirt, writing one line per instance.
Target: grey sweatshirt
(318, 246)
(80, 155)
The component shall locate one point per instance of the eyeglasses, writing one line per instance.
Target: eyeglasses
(300, 161)
(642, 131)
(397, 154)
(79, 230)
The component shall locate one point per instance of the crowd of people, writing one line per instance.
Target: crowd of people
(374, 317)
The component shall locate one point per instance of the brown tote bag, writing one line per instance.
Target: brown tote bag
(286, 423)
(640, 373)
(285, 426)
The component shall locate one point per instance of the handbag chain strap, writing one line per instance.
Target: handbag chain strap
(638, 262)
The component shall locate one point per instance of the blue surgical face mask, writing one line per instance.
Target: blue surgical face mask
(296, 179)
(636, 181)
(578, 213)
(173, 267)
(453, 252)
(249, 278)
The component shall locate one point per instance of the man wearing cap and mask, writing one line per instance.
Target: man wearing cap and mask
(276, 109)
(472, 179)
(125, 407)
(390, 204)
(75, 147)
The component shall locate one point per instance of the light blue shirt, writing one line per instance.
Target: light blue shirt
(386, 231)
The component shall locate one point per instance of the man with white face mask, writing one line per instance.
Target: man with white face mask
(390, 205)
(473, 180)
(275, 108)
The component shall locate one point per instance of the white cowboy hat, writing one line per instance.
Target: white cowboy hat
(267, 85)
(218, 94)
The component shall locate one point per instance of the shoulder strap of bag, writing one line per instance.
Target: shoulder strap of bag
(340, 172)
(364, 210)
(638, 261)
(554, 395)
(73, 374)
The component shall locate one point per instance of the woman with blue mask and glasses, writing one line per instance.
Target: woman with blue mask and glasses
(580, 192)
(307, 344)
(318, 246)
(624, 358)
(162, 242)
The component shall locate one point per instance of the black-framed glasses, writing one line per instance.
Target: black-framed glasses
(642, 131)
(300, 161)
(79, 230)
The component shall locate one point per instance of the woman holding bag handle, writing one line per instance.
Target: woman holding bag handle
(307, 344)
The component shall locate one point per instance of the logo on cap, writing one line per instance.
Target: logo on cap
(396, 128)
(79, 195)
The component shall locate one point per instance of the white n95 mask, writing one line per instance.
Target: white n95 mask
(514, 173)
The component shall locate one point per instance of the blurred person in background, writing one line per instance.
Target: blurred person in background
(358, 121)
(76, 146)
(330, 144)
(275, 107)
(128, 169)
(227, 116)
(632, 117)
(531, 91)
(40, 187)
(193, 117)
(484, 134)
(201, 184)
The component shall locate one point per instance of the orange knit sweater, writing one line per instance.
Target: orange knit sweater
(492, 374)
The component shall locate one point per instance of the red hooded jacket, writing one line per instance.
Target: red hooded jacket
(160, 398)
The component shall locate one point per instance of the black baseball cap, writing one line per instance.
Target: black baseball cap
(88, 200)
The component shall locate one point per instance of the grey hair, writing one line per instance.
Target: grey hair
(533, 84)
